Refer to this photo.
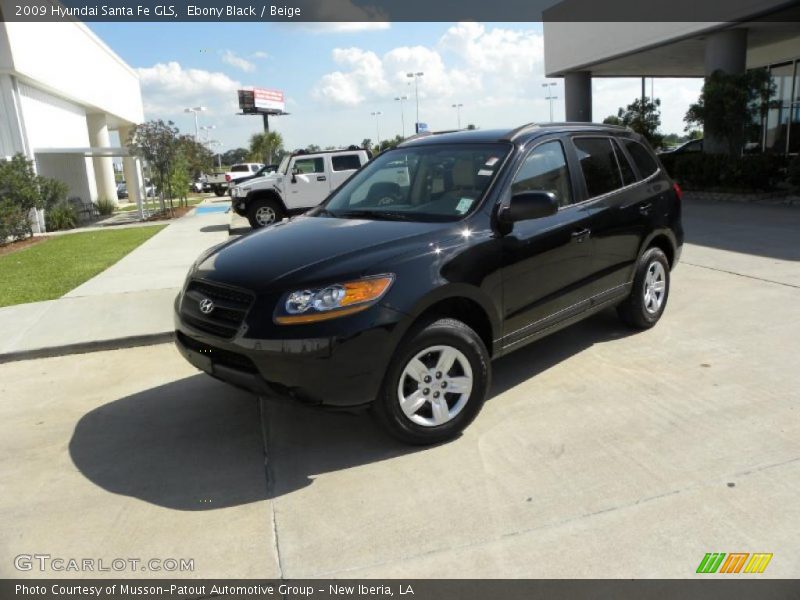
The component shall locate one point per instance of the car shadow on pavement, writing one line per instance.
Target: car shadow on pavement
(214, 228)
(198, 444)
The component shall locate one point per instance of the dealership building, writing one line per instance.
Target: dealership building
(63, 93)
(750, 34)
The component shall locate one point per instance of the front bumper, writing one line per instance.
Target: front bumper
(340, 369)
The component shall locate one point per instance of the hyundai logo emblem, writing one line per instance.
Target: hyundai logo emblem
(206, 306)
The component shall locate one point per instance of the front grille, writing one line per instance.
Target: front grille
(230, 308)
(218, 356)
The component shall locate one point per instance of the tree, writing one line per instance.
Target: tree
(612, 120)
(157, 143)
(471, 127)
(311, 148)
(389, 144)
(265, 146)
(237, 155)
(366, 144)
(728, 106)
(644, 117)
(198, 157)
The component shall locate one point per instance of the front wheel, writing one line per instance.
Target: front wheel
(648, 299)
(436, 384)
(264, 212)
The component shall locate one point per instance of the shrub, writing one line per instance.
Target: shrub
(105, 206)
(60, 216)
(14, 223)
(718, 171)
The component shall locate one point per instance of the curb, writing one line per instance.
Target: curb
(86, 347)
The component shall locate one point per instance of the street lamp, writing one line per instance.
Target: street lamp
(195, 110)
(206, 129)
(377, 114)
(415, 77)
(458, 112)
(402, 114)
(548, 95)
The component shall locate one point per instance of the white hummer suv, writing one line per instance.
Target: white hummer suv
(302, 181)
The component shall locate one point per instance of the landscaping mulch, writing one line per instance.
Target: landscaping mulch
(20, 245)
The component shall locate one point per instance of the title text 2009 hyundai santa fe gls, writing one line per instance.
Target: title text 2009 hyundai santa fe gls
(434, 258)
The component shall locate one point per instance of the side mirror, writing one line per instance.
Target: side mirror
(528, 205)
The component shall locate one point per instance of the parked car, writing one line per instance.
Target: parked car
(435, 258)
(300, 182)
(122, 190)
(686, 148)
(220, 183)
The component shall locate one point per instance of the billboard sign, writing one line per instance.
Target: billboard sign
(422, 128)
(260, 100)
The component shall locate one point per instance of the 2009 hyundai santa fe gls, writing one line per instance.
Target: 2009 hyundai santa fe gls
(434, 258)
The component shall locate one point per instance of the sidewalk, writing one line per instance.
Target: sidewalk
(130, 303)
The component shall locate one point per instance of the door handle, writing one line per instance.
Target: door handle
(320, 177)
(645, 208)
(581, 234)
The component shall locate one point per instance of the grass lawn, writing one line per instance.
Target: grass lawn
(61, 263)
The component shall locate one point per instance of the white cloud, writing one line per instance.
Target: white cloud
(231, 58)
(259, 55)
(493, 66)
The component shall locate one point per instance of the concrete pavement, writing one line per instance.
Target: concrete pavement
(600, 453)
(127, 304)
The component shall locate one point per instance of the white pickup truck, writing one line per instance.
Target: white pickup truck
(302, 181)
(221, 182)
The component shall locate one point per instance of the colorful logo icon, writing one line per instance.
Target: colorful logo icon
(736, 562)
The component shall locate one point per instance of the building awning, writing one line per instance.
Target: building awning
(88, 152)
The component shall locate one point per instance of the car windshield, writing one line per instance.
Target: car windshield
(284, 164)
(441, 182)
(239, 168)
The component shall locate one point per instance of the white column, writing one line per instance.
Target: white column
(130, 168)
(103, 166)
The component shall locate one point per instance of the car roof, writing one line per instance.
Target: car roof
(518, 135)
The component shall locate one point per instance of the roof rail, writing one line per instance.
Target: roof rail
(514, 133)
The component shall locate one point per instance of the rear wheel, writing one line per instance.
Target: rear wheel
(219, 190)
(263, 212)
(436, 384)
(648, 299)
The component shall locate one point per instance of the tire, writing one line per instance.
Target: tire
(434, 416)
(219, 191)
(259, 210)
(647, 301)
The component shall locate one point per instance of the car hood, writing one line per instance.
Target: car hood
(315, 250)
(261, 179)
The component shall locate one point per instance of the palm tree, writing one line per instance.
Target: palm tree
(264, 146)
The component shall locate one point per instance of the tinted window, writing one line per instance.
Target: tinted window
(545, 169)
(310, 165)
(598, 164)
(641, 158)
(628, 176)
(346, 162)
(239, 168)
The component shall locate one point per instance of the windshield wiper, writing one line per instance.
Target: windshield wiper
(374, 214)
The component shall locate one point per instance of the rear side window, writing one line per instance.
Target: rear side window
(239, 169)
(628, 176)
(642, 158)
(346, 162)
(545, 169)
(599, 165)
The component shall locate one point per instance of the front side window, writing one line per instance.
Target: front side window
(431, 182)
(642, 158)
(599, 166)
(545, 169)
(304, 166)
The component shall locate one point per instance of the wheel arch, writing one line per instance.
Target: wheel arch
(265, 195)
(663, 239)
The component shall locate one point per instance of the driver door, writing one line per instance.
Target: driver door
(308, 183)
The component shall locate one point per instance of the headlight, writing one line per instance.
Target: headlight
(332, 301)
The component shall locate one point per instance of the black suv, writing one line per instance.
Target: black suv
(434, 258)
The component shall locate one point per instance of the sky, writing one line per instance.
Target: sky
(335, 75)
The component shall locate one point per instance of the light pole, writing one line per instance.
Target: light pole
(416, 77)
(195, 110)
(402, 99)
(458, 112)
(206, 129)
(548, 95)
(377, 114)
(216, 144)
